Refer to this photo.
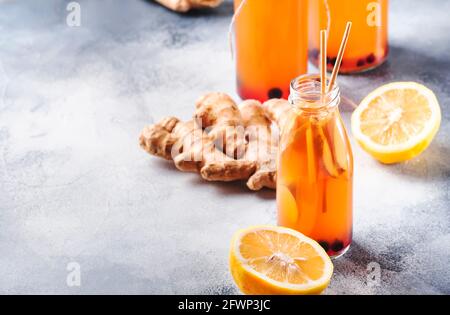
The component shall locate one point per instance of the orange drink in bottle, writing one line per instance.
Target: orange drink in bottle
(271, 46)
(315, 168)
(368, 44)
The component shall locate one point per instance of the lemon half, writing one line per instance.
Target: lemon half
(397, 121)
(278, 260)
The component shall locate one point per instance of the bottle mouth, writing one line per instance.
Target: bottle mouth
(305, 94)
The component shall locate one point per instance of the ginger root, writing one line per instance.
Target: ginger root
(224, 142)
(219, 115)
(192, 151)
(278, 111)
(261, 147)
(159, 139)
(186, 5)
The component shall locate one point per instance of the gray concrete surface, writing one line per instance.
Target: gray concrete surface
(75, 186)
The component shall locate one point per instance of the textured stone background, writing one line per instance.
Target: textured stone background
(75, 187)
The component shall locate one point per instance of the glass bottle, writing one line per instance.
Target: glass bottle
(315, 168)
(367, 47)
(271, 46)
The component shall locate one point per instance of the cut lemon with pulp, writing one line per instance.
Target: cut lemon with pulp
(397, 121)
(278, 260)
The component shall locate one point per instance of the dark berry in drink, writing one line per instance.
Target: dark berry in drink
(275, 93)
(337, 246)
(333, 61)
(370, 58)
(329, 61)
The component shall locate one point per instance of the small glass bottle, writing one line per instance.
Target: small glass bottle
(271, 46)
(315, 168)
(367, 46)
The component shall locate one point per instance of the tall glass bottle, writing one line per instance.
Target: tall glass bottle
(368, 42)
(315, 168)
(271, 46)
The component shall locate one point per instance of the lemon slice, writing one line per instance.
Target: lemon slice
(278, 260)
(397, 121)
(286, 201)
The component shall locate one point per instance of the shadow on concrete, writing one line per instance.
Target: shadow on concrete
(360, 257)
(432, 164)
(164, 164)
(266, 193)
(224, 188)
(359, 263)
(403, 64)
(234, 188)
(406, 64)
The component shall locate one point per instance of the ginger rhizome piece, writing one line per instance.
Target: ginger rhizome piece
(278, 111)
(192, 151)
(219, 115)
(159, 139)
(186, 5)
(262, 145)
(224, 141)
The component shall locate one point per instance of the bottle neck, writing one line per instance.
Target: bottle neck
(305, 96)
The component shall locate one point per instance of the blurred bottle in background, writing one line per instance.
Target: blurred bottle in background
(367, 47)
(271, 46)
